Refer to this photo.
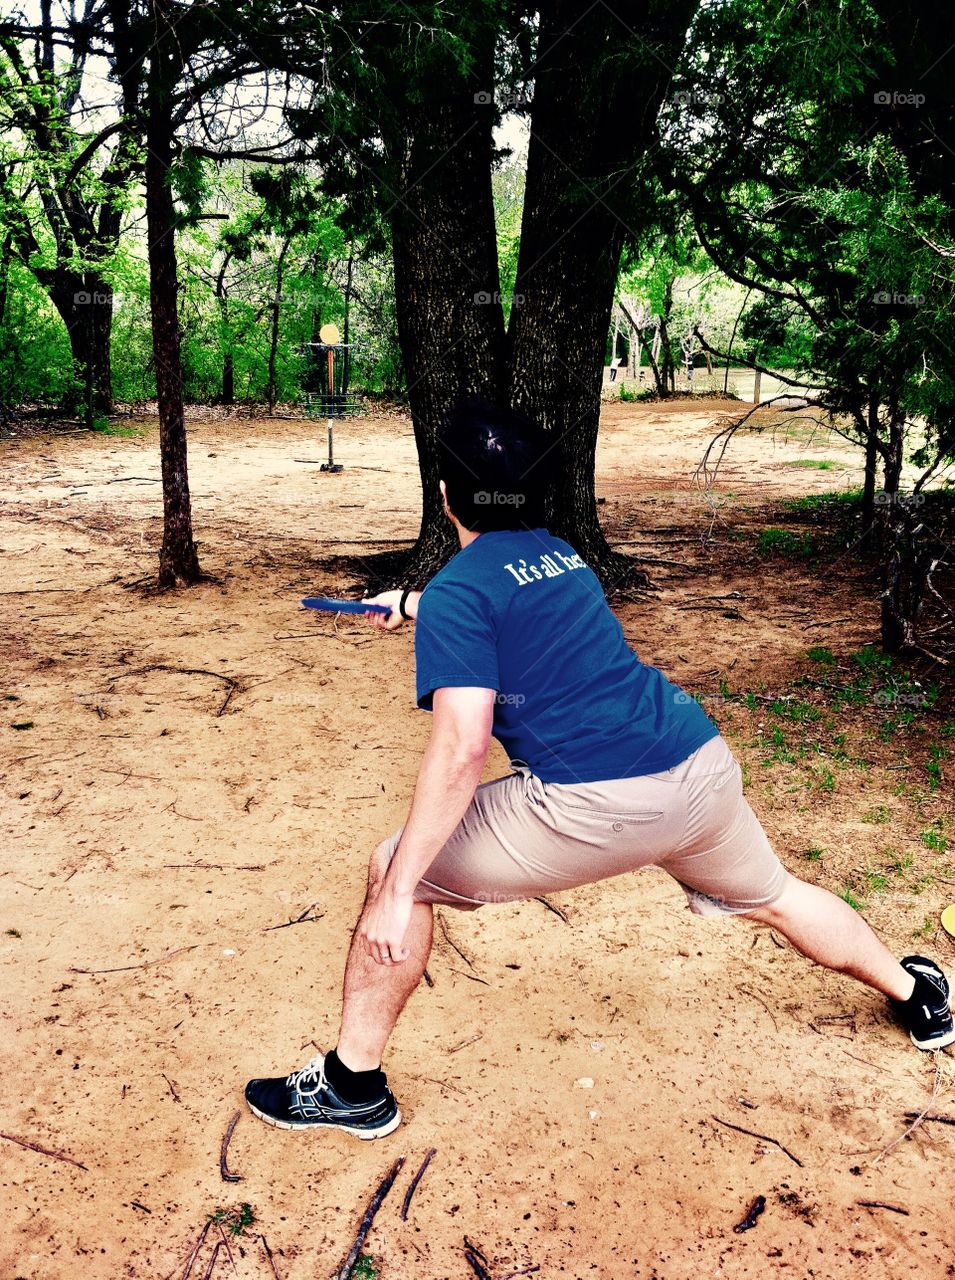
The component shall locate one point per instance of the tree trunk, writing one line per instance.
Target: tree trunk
(346, 327)
(84, 302)
(573, 229)
(869, 541)
(904, 555)
(178, 561)
(276, 315)
(447, 285)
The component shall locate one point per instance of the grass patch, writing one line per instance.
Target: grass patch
(933, 839)
(814, 464)
(821, 655)
(782, 542)
(364, 1268)
(814, 853)
(103, 427)
(813, 501)
(879, 814)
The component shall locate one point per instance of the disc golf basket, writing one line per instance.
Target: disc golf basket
(331, 403)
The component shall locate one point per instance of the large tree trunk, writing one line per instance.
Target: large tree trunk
(447, 287)
(578, 193)
(178, 561)
(84, 302)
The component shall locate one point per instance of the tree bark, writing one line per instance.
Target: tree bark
(178, 560)
(447, 285)
(904, 556)
(869, 539)
(276, 309)
(578, 194)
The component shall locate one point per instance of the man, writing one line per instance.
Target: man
(614, 768)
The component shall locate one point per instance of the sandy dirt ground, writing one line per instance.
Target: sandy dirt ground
(201, 768)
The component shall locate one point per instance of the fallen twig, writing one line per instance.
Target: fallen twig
(919, 1118)
(753, 996)
(556, 910)
(44, 1151)
(268, 1254)
(211, 866)
(477, 1260)
(190, 1262)
(755, 1209)
(228, 1250)
(762, 1137)
(452, 944)
(428, 978)
(213, 1260)
(524, 1271)
(148, 964)
(374, 1205)
(880, 1204)
(476, 1266)
(185, 671)
(464, 1043)
(224, 1152)
(304, 918)
(172, 1088)
(414, 1184)
(473, 976)
(929, 1115)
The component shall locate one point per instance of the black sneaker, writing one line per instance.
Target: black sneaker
(927, 1014)
(305, 1100)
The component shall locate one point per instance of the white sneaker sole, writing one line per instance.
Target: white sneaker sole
(365, 1134)
(940, 1042)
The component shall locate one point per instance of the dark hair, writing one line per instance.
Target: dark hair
(497, 466)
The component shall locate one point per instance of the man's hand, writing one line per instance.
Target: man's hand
(384, 925)
(393, 620)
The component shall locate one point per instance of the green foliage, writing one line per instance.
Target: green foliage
(783, 542)
(364, 1268)
(234, 1220)
(821, 655)
(933, 838)
(815, 501)
(35, 359)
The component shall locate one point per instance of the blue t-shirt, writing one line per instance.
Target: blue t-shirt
(519, 612)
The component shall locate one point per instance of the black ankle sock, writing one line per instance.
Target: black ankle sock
(354, 1086)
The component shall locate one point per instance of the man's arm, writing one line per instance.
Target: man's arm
(450, 770)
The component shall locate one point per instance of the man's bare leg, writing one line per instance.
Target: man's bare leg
(375, 994)
(826, 929)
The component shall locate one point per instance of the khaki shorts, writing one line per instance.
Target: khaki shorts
(521, 837)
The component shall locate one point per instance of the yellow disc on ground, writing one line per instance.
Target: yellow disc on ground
(329, 334)
(948, 919)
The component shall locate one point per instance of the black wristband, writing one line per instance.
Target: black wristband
(402, 602)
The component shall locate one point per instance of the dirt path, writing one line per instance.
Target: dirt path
(201, 768)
